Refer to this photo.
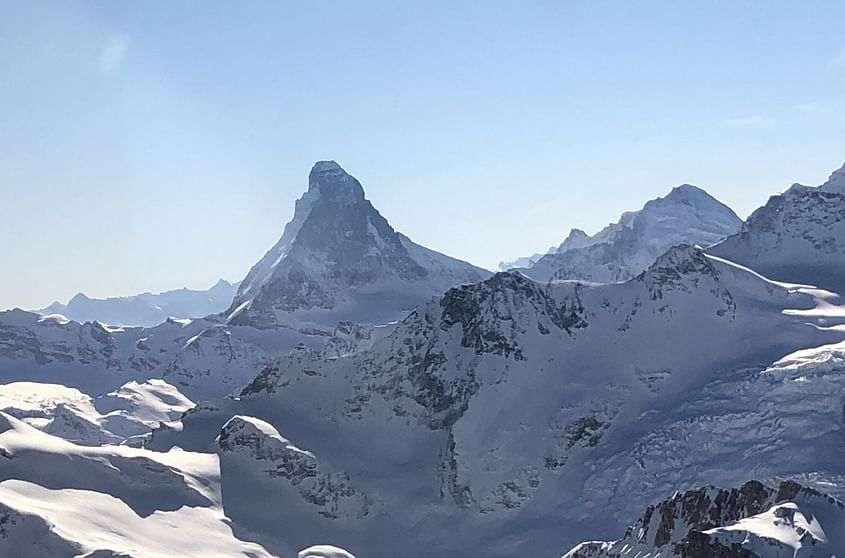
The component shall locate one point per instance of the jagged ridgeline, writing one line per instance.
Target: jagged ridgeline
(366, 392)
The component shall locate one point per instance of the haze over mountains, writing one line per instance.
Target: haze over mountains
(686, 215)
(673, 372)
(146, 309)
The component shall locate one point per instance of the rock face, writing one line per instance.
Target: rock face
(620, 251)
(259, 445)
(510, 400)
(339, 254)
(836, 183)
(146, 309)
(753, 521)
(798, 236)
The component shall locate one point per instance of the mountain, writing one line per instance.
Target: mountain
(527, 261)
(754, 521)
(146, 309)
(836, 183)
(499, 418)
(338, 262)
(339, 257)
(798, 236)
(502, 417)
(687, 215)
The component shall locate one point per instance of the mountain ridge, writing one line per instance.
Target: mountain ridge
(146, 309)
(621, 250)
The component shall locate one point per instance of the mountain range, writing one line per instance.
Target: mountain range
(621, 250)
(671, 385)
(146, 309)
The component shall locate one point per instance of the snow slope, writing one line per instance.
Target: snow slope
(798, 236)
(687, 215)
(510, 411)
(125, 415)
(59, 499)
(147, 309)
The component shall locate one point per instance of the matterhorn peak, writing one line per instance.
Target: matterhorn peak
(329, 179)
(339, 257)
(327, 167)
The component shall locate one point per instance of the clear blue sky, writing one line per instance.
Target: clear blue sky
(152, 145)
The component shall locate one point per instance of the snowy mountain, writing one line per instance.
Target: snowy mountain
(511, 412)
(497, 417)
(527, 261)
(339, 258)
(687, 215)
(146, 309)
(338, 262)
(836, 183)
(798, 236)
(754, 521)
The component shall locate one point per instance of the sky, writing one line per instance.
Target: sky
(153, 145)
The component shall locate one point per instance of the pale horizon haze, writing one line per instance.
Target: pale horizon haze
(155, 145)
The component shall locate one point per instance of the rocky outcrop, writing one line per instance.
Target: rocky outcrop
(260, 445)
(723, 523)
(798, 237)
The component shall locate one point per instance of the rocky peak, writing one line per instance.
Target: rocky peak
(693, 201)
(687, 269)
(290, 469)
(693, 524)
(79, 298)
(575, 239)
(338, 251)
(836, 183)
(490, 312)
(681, 259)
(687, 193)
(330, 180)
(797, 237)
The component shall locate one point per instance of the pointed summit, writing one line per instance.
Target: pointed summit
(339, 258)
(329, 179)
(687, 193)
(575, 239)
